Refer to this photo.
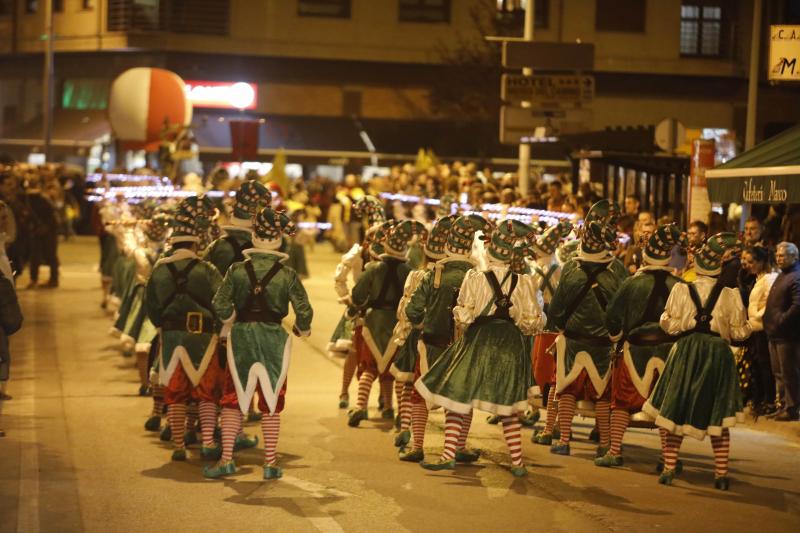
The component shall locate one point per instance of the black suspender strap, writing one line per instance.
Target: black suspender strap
(591, 282)
(658, 297)
(255, 306)
(389, 280)
(703, 316)
(501, 301)
(238, 250)
(180, 278)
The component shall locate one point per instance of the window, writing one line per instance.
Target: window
(85, 93)
(324, 8)
(512, 12)
(204, 17)
(620, 15)
(433, 11)
(701, 30)
(31, 6)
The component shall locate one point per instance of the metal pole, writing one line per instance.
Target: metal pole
(525, 149)
(47, 101)
(752, 82)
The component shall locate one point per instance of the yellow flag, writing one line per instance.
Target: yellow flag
(277, 174)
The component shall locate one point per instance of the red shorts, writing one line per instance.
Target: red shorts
(583, 389)
(213, 381)
(366, 361)
(623, 393)
(180, 388)
(230, 400)
(543, 360)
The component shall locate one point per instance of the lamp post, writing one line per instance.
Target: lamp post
(525, 149)
(47, 100)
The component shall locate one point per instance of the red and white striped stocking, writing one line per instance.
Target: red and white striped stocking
(270, 428)
(620, 418)
(386, 393)
(552, 410)
(419, 419)
(452, 429)
(511, 432)
(566, 412)
(350, 365)
(602, 409)
(722, 447)
(231, 426)
(364, 387)
(466, 423)
(176, 414)
(208, 421)
(404, 404)
(158, 400)
(671, 447)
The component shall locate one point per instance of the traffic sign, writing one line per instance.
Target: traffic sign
(548, 56)
(547, 89)
(519, 124)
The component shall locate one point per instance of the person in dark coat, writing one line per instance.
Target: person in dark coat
(10, 322)
(782, 324)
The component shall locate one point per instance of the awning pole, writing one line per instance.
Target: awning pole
(752, 82)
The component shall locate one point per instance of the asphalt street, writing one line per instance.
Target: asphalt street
(76, 456)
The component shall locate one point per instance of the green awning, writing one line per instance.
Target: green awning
(768, 173)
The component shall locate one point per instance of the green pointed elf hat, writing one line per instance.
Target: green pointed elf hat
(399, 238)
(546, 244)
(658, 249)
(377, 238)
(508, 232)
(370, 208)
(437, 239)
(520, 252)
(156, 228)
(462, 233)
(597, 238)
(269, 227)
(251, 197)
(192, 217)
(708, 261)
(604, 211)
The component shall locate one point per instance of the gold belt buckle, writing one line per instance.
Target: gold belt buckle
(194, 322)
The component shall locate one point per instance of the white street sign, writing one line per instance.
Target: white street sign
(784, 53)
(519, 124)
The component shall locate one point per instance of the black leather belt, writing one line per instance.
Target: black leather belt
(588, 339)
(193, 322)
(651, 339)
(427, 338)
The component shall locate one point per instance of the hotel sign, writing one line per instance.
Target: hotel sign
(222, 94)
(784, 53)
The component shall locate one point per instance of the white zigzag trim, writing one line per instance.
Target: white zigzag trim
(582, 361)
(258, 375)
(180, 355)
(382, 359)
(643, 386)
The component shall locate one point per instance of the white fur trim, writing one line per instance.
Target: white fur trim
(583, 361)
(650, 260)
(258, 251)
(644, 385)
(183, 238)
(258, 376)
(382, 359)
(180, 355)
(422, 350)
(709, 273)
(178, 255)
(114, 332)
(466, 408)
(227, 324)
(239, 224)
(688, 429)
(143, 347)
(343, 345)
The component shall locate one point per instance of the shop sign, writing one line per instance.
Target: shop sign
(784, 53)
(222, 94)
(755, 189)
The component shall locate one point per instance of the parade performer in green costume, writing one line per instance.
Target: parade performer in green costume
(489, 366)
(578, 310)
(352, 265)
(254, 299)
(633, 322)
(698, 392)
(178, 302)
(430, 311)
(223, 252)
(377, 295)
(546, 275)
